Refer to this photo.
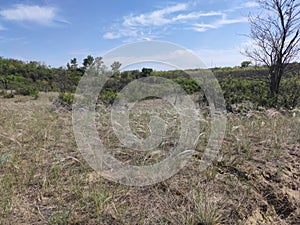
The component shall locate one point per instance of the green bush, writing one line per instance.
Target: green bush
(66, 98)
(239, 90)
(289, 96)
(28, 91)
(188, 84)
(108, 96)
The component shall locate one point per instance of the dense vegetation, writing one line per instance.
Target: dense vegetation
(240, 84)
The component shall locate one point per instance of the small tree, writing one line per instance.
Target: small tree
(276, 38)
(116, 67)
(245, 64)
(73, 64)
(146, 72)
(98, 61)
(88, 61)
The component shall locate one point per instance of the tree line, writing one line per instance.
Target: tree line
(239, 84)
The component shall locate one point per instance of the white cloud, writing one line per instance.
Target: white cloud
(176, 8)
(155, 18)
(110, 35)
(123, 32)
(251, 4)
(202, 27)
(44, 15)
(179, 16)
(232, 21)
(195, 15)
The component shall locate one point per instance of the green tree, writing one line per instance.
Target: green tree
(245, 64)
(146, 72)
(88, 61)
(116, 67)
(73, 65)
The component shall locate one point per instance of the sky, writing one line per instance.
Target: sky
(54, 31)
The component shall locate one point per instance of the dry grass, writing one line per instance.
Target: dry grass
(45, 180)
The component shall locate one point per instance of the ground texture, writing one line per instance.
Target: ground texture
(45, 180)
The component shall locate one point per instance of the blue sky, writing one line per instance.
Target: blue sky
(54, 31)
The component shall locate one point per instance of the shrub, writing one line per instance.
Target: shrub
(64, 100)
(188, 84)
(289, 93)
(108, 96)
(28, 91)
(239, 90)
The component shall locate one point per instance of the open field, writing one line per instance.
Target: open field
(45, 180)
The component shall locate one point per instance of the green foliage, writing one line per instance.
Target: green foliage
(258, 73)
(115, 67)
(188, 84)
(73, 64)
(108, 96)
(238, 90)
(245, 64)
(28, 91)
(65, 100)
(289, 93)
(43, 85)
(88, 61)
(146, 72)
(239, 85)
(15, 74)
